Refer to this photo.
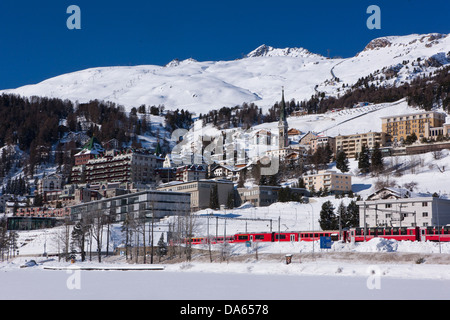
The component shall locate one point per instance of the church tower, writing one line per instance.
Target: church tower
(283, 141)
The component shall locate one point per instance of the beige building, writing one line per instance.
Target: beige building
(398, 127)
(306, 139)
(328, 180)
(352, 144)
(282, 153)
(200, 191)
(261, 196)
(322, 142)
(191, 172)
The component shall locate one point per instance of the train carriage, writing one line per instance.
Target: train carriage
(266, 237)
(215, 240)
(395, 233)
(436, 233)
(316, 235)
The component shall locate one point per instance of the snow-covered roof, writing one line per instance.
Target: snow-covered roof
(391, 192)
(93, 146)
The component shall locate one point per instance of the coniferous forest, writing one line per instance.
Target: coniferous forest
(36, 124)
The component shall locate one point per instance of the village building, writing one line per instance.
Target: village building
(129, 165)
(393, 207)
(145, 204)
(201, 191)
(352, 144)
(328, 180)
(261, 196)
(422, 124)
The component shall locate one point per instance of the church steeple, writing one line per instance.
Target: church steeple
(282, 124)
(282, 106)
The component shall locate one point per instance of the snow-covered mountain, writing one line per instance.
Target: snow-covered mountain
(258, 77)
(268, 51)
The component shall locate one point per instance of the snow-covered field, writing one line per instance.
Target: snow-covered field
(231, 282)
(249, 280)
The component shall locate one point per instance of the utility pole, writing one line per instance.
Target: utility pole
(279, 221)
(365, 222)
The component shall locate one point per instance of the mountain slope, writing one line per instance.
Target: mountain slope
(202, 86)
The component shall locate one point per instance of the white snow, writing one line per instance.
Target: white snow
(203, 86)
(377, 269)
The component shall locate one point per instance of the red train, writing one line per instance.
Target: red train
(436, 233)
(396, 233)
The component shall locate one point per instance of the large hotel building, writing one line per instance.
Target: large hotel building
(352, 144)
(424, 125)
(93, 165)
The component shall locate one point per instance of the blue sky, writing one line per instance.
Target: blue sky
(35, 43)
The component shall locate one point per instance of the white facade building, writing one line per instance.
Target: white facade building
(401, 208)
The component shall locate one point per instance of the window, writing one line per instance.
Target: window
(424, 214)
(424, 204)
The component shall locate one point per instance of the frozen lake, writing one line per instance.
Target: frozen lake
(37, 283)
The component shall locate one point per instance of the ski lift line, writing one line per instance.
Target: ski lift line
(385, 105)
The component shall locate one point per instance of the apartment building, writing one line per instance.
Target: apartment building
(191, 172)
(118, 166)
(323, 141)
(328, 180)
(50, 187)
(398, 127)
(158, 204)
(200, 191)
(352, 144)
(261, 196)
(389, 207)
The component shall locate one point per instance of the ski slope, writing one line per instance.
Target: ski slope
(258, 77)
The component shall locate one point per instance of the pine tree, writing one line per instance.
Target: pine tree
(341, 213)
(342, 161)
(162, 247)
(214, 198)
(328, 220)
(301, 183)
(352, 215)
(377, 159)
(230, 200)
(364, 160)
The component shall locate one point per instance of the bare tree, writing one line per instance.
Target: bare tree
(98, 222)
(62, 239)
(4, 239)
(128, 228)
(109, 219)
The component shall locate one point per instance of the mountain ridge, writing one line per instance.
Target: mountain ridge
(201, 86)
